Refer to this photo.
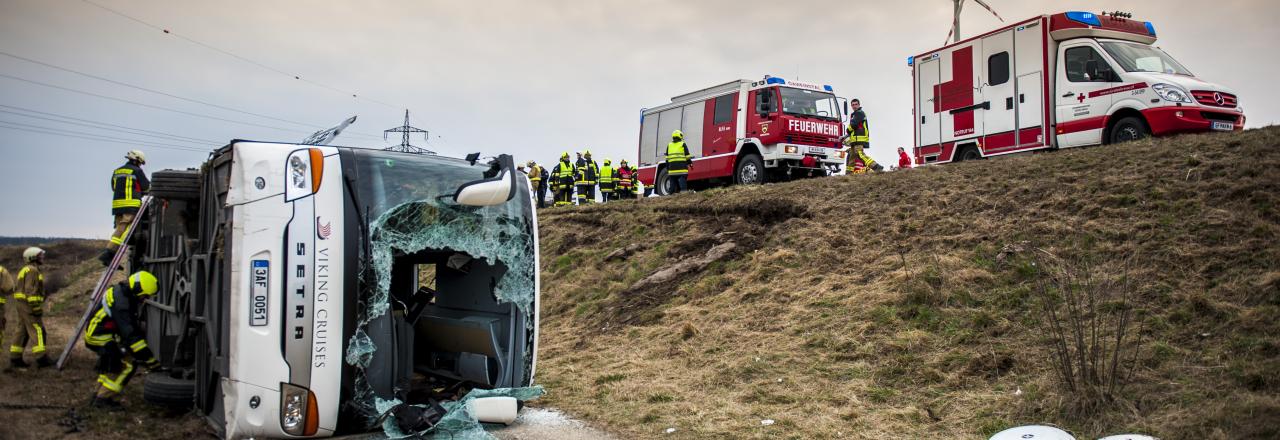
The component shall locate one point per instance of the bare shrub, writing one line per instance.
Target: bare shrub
(1089, 315)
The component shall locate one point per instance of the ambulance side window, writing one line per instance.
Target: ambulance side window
(998, 68)
(1083, 64)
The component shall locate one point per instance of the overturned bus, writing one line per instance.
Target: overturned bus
(305, 290)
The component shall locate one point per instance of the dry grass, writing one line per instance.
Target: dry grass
(882, 306)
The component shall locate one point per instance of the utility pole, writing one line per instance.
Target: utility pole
(955, 18)
(404, 130)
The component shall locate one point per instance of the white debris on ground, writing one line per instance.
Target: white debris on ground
(546, 424)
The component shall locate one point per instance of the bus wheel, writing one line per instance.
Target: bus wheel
(750, 170)
(1128, 129)
(660, 184)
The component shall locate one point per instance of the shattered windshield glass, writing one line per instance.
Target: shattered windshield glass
(408, 204)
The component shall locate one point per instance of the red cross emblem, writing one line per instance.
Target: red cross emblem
(1080, 97)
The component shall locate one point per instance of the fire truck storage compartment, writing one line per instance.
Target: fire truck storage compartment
(657, 125)
(448, 324)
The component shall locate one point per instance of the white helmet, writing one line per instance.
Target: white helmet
(136, 155)
(32, 253)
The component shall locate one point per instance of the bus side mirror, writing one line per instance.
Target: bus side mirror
(762, 103)
(497, 188)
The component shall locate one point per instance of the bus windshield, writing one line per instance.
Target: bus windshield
(1134, 57)
(810, 103)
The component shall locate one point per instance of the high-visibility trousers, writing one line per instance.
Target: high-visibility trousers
(24, 329)
(123, 221)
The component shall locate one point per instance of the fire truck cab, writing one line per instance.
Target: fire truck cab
(1056, 81)
(746, 132)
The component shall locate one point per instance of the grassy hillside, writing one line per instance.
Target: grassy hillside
(913, 304)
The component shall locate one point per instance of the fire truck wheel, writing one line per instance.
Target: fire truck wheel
(660, 183)
(750, 170)
(1128, 129)
(169, 389)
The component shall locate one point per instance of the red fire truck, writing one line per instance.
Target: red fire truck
(746, 132)
(1058, 81)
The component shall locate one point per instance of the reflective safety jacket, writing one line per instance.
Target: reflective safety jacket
(115, 320)
(608, 178)
(128, 184)
(30, 288)
(563, 174)
(6, 287)
(859, 130)
(625, 176)
(590, 172)
(677, 158)
(535, 173)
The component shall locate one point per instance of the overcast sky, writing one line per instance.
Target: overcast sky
(532, 78)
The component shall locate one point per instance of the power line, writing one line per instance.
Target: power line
(171, 95)
(238, 57)
(96, 135)
(100, 125)
(94, 138)
(112, 98)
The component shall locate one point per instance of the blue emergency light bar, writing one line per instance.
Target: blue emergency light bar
(828, 88)
(911, 61)
(1084, 17)
(774, 80)
(1151, 29)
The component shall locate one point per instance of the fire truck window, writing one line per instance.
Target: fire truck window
(998, 68)
(724, 109)
(1083, 64)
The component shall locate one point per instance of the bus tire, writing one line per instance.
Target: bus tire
(749, 170)
(176, 184)
(163, 389)
(1130, 128)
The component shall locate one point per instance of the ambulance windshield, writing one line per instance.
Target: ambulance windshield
(1134, 57)
(810, 103)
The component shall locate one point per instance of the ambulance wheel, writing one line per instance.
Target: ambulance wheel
(164, 389)
(968, 153)
(750, 170)
(661, 186)
(175, 184)
(1127, 129)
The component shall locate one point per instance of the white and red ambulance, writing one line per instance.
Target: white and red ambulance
(746, 132)
(1058, 81)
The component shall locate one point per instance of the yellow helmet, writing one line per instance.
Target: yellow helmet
(586, 153)
(607, 162)
(677, 135)
(145, 282)
(564, 155)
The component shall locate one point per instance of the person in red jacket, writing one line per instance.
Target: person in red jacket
(904, 161)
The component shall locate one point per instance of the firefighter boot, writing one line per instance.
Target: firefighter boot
(44, 362)
(105, 399)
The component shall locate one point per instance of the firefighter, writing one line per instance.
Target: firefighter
(26, 312)
(535, 178)
(128, 184)
(608, 181)
(589, 175)
(563, 177)
(858, 139)
(626, 181)
(677, 163)
(115, 335)
(6, 289)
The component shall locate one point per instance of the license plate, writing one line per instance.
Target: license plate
(817, 150)
(258, 291)
(1223, 126)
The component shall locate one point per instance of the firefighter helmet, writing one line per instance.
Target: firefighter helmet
(136, 155)
(586, 153)
(564, 155)
(32, 253)
(607, 162)
(145, 282)
(677, 135)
